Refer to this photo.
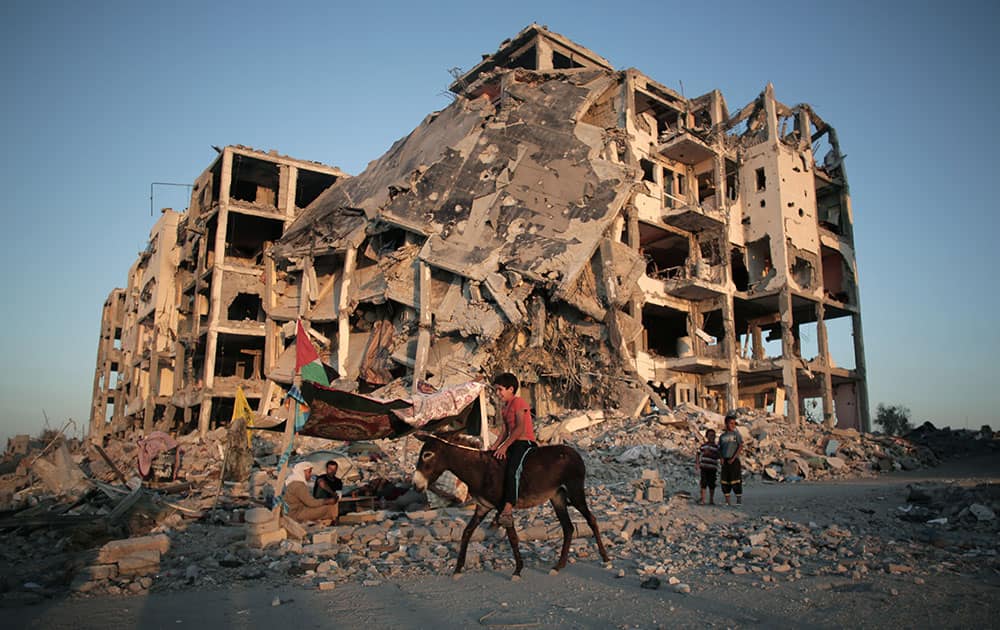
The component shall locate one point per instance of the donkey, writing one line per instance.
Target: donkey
(550, 473)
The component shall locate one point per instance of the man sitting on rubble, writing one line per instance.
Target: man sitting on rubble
(328, 486)
(302, 506)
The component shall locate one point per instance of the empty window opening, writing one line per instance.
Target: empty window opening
(244, 307)
(648, 171)
(309, 185)
(840, 342)
(808, 341)
(802, 272)
(239, 356)
(666, 253)
(709, 335)
(561, 61)
(528, 60)
(665, 331)
(670, 196)
(829, 208)
(812, 409)
(732, 181)
(738, 270)
(761, 179)
(246, 235)
(254, 181)
(706, 189)
(836, 276)
(759, 262)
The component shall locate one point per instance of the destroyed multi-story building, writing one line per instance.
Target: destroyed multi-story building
(605, 238)
(192, 326)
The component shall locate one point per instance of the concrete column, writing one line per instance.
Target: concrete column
(829, 418)
(788, 358)
(343, 315)
(424, 336)
(154, 386)
(861, 368)
(215, 292)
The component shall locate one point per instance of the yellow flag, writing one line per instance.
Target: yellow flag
(241, 409)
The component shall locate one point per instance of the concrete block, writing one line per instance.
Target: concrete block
(140, 563)
(258, 516)
(355, 518)
(654, 494)
(270, 538)
(294, 529)
(322, 538)
(263, 528)
(116, 549)
(101, 571)
(650, 473)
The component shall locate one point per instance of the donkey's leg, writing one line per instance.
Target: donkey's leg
(578, 499)
(559, 505)
(518, 563)
(477, 517)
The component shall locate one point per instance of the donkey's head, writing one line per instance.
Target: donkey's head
(431, 463)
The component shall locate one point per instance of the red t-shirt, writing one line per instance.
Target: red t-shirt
(516, 405)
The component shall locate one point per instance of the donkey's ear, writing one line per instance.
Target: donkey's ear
(421, 435)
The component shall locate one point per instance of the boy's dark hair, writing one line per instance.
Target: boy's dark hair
(506, 380)
(334, 462)
(710, 432)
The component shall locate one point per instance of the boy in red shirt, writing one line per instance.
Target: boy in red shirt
(518, 437)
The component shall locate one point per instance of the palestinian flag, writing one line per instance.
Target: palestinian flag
(307, 362)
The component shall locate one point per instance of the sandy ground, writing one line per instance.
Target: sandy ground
(587, 595)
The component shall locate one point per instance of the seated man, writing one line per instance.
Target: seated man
(328, 486)
(302, 506)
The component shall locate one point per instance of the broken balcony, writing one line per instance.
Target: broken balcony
(695, 218)
(684, 147)
(698, 281)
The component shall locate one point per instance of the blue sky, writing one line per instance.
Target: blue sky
(103, 98)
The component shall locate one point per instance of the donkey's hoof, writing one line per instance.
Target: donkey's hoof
(608, 565)
(456, 576)
(553, 571)
(515, 578)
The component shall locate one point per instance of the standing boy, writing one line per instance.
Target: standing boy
(707, 464)
(518, 437)
(730, 445)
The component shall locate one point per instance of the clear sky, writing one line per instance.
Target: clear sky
(102, 98)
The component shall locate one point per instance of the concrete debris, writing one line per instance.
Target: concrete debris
(194, 532)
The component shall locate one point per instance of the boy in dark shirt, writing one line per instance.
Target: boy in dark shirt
(706, 463)
(730, 445)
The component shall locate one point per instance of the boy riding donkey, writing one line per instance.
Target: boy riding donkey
(518, 438)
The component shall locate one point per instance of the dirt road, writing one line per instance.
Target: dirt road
(944, 585)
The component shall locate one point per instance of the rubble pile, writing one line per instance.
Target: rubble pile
(773, 450)
(109, 532)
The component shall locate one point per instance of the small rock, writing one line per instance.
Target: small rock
(682, 588)
(651, 583)
(982, 513)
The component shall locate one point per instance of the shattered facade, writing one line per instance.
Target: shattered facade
(600, 235)
(199, 316)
